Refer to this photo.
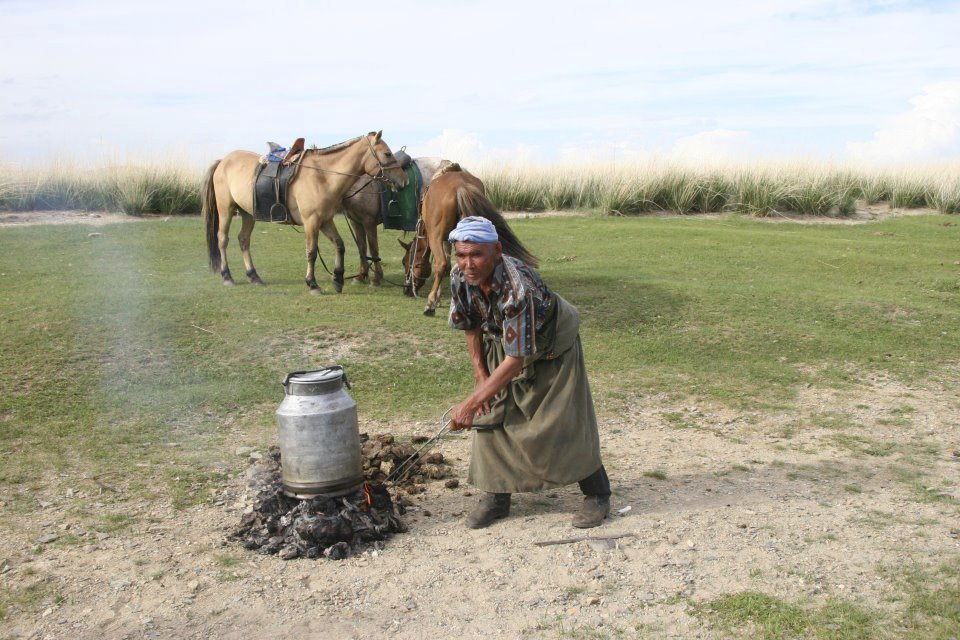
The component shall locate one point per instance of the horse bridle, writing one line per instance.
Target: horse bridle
(409, 277)
(382, 176)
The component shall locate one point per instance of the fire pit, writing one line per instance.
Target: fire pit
(334, 527)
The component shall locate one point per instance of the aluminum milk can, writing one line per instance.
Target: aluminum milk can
(319, 435)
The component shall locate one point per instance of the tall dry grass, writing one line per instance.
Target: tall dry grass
(757, 189)
(753, 189)
(132, 189)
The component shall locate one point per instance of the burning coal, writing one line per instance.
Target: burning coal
(334, 527)
(320, 526)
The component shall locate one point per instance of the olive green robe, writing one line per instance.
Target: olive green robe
(542, 430)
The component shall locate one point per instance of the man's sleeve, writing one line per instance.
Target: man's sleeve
(461, 316)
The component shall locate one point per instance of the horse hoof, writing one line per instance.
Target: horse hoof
(375, 285)
(430, 311)
(315, 292)
(228, 283)
(357, 281)
(338, 287)
(258, 282)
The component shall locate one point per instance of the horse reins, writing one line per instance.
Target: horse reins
(409, 278)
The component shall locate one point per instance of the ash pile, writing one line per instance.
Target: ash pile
(336, 527)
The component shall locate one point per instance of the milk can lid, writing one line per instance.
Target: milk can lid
(328, 378)
(320, 375)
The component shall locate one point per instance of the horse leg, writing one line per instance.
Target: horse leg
(310, 232)
(361, 238)
(223, 239)
(330, 230)
(374, 254)
(441, 267)
(246, 231)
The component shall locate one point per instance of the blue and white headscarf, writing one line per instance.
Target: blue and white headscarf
(474, 229)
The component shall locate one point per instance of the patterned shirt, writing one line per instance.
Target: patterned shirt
(514, 310)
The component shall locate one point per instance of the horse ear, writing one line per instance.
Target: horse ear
(405, 245)
(379, 135)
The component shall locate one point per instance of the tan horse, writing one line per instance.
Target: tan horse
(324, 176)
(451, 196)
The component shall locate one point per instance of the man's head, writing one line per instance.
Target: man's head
(476, 249)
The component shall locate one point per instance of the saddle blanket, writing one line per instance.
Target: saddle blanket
(400, 209)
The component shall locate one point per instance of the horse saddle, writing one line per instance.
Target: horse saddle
(445, 166)
(281, 154)
(294, 153)
(272, 182)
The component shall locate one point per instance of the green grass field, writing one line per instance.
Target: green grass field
(124, 347)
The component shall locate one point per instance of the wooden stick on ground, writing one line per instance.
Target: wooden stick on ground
(202, 329)
(545, 543)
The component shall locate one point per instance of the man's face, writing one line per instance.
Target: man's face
(477, 260)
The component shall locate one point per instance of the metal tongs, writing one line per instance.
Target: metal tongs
(405, 467)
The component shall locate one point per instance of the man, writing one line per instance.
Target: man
(531, 405)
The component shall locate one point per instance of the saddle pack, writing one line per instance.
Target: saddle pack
(400, 209)
(272, 182)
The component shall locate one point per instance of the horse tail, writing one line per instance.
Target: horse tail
(472, 202)
(211, 216)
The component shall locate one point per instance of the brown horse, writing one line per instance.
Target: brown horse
(454, 194)
(323, 178)
(362, 206)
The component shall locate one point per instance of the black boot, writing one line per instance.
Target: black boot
(596, 500)
(592, 512)
(493, 506)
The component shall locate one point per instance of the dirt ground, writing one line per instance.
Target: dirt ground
(710, 502)
(96, 218)
(806, 503)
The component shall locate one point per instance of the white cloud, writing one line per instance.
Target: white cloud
(709, 147)
(467, 148)
(928, 131)
(585, 87)
(454, 144)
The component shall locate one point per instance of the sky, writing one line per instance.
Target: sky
(511, 82)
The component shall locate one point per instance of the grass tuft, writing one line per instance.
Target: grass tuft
(758, 615)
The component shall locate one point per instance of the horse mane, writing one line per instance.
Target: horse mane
(335, 147)
(472, 202)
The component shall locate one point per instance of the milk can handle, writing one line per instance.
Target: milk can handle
(343, 376)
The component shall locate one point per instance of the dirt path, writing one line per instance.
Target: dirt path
(806, 504)
(96, 218)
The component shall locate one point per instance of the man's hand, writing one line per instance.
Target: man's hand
(462, 415)
(478, 402)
